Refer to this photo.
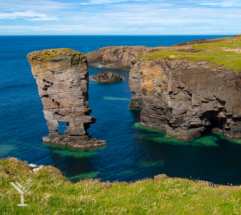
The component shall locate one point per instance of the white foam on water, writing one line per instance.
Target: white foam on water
(99, 66)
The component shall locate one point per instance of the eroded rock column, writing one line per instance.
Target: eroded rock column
(62, 78)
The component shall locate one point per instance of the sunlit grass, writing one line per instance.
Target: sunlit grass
(51, 193)
(214, 53)
(209, 46)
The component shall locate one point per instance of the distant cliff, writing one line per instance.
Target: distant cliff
(118, 57)
(62, 78)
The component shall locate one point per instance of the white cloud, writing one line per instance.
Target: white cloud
(28, 15)
(226, 3)
(35, 5)
(55, 28)
(108, 1)
(100, 17)
(170, 21)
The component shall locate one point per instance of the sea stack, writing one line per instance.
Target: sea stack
(62, 78)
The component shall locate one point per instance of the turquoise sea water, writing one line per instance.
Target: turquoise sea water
(133, 152)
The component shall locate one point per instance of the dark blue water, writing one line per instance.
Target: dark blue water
(133, 152)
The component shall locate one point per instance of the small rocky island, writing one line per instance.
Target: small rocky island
(105, 77)
(62, 78)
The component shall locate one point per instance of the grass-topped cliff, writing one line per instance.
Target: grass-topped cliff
(51, 193)
(55, 55)
(219, 52)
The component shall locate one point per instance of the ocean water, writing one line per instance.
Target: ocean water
(133, 152)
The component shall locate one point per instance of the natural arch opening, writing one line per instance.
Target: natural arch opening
(62, 127)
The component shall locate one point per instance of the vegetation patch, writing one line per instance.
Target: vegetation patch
(225, 53)
(52, 193)
(56, 55)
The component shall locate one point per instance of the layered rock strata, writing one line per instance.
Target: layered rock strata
(186, 99)
(118, 57)
(105, 77)
(62, 78)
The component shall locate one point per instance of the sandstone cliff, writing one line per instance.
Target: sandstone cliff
(62, 79)
(118, 57)
(188, 94)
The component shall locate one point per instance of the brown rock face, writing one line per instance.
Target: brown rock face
(105, 77)
(187, 99)
(118, 57)
(62, 79)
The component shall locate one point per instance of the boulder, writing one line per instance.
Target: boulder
(107, 77)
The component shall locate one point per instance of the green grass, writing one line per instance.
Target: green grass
(55, 55)
(51, 193)
(214, 53)
(208, 46)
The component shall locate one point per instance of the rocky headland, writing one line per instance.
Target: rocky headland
(62, 78)
(189, 93)
(106, 77)
(186, 89)
(118, 57)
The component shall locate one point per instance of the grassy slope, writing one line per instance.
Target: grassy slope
(53, 194)
(215, 53)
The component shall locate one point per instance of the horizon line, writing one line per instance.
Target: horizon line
(128, 35)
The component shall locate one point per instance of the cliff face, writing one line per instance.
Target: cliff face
(186, 98)
(62, 79)
(118, 57)
(186, 89)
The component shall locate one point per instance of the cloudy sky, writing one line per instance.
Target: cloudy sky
(120, 17)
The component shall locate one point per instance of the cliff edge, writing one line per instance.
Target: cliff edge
(62, 78)
(190, 92)
(120, 57)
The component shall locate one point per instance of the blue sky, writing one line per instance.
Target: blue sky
(120, 17)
